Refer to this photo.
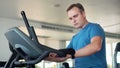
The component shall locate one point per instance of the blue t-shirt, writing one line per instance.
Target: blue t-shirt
(83, 38)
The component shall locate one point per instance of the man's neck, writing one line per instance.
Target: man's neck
(85, 23)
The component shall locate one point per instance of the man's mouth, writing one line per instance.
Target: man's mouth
(75, 24)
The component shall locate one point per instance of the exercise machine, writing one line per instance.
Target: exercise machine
(26, 49)
(117, 49)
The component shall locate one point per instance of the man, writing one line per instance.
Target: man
(88, 43)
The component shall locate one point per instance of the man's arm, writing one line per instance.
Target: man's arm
(93, 47)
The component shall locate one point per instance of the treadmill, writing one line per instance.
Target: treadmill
(26, 47)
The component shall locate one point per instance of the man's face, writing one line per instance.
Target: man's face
(76, 17)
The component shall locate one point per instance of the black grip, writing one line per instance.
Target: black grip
(70, 51)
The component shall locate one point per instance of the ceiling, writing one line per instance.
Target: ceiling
(104, 12)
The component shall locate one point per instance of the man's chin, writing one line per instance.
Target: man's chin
(77, 27)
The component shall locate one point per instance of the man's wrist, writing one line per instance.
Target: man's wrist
(72, 56)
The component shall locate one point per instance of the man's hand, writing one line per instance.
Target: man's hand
(54, 57)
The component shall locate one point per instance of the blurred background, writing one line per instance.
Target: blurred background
(52, 27)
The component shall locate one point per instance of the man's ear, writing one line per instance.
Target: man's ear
(83, 13)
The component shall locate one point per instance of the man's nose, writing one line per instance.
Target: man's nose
(74, 20)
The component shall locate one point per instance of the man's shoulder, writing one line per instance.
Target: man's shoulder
(94, 25)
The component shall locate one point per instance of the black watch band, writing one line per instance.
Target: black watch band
(72, 56)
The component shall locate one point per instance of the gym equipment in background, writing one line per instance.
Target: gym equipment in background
(26, 49)
(117, 49)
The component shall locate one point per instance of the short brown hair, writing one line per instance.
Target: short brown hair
(78, 5)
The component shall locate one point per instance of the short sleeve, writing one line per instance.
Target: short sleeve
(97, 30)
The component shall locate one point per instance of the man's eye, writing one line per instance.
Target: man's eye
(70, 18)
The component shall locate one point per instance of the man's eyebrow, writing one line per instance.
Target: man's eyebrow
(76, 15)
